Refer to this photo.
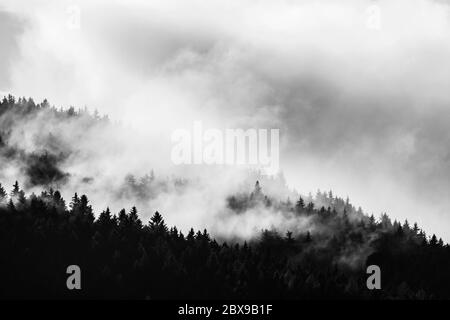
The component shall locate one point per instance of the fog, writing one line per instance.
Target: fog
(359, 91)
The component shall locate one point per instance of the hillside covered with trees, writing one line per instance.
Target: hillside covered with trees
(320, 251)
(121, 257)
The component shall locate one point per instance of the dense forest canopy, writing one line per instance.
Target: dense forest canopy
(319, 248)
(122, 257)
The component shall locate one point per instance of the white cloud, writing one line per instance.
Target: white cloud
(363, 111)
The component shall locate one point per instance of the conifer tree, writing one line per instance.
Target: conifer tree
(3, 194)
(157, 223)
(300, 205)
(16, 189)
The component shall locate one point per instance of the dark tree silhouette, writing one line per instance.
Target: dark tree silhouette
(122, 256)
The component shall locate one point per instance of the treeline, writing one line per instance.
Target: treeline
(24, 107)
(122, 257)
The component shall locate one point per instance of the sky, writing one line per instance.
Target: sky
(358, 89)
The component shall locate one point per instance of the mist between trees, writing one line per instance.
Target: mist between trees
(264, 242)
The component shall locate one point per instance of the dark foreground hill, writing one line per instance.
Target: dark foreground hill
(120, 257)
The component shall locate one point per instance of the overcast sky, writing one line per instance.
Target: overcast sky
(360, 90)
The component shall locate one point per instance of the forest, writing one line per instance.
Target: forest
(121, 256)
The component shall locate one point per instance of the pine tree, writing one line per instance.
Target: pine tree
(257, 188)
(59, 201)
(104, 220)
(191, 235)
(134, 218)
(310, 207)
(16, 189)
(11, 205)
(372, 220)
(300, 205)
(206, 236)
(74, 203)
(257, 193)
(416, 228)
(3, 194)
(123, 219)
(406, 226)
(433, 241)
(173, 233)
(21, 199)
(85, 209)
(157, 223)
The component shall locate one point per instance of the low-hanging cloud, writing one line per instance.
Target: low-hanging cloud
(363, 111)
